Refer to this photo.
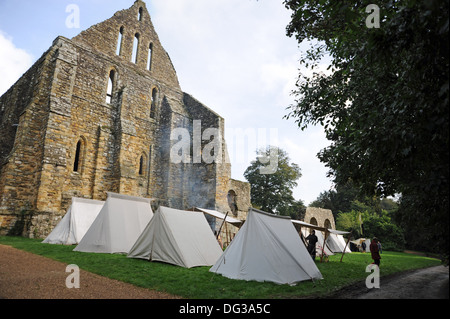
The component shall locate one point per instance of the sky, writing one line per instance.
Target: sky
(232, 55)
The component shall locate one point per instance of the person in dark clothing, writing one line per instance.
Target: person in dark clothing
(375, 251)
(363, 246)
(312, 240)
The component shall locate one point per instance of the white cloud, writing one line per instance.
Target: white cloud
(13, 62)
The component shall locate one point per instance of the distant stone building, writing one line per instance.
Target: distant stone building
(101, 112)
(320, 217)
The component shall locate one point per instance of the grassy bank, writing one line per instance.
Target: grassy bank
(199, 283)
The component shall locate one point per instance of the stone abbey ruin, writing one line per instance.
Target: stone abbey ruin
(96, 114)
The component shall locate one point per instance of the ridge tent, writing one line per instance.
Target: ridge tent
(76, 222)
(228, 233)
(319, 231)
(320, 242)
(359, 241)
(336, 242)
(118, 225)
(267, 248)
(177, 237)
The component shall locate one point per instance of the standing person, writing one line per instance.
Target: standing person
(363, 246)
(379, 247)
(375, 251)
(312, 240)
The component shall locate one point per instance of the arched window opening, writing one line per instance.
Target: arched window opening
(76, 162)
(110, 89)
(154, 102)
(141, 165)
(150, 56)
(140, 14)
(119, 42)
(231, 198)
(327, 224)
(313, 221)
(134, 56)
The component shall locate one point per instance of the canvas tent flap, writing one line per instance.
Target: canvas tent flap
(337, 243)
(338, 232)
(267, 248)
(220, 215)
(118, 225)
(359, 241)
(76, 222)
(178, 237)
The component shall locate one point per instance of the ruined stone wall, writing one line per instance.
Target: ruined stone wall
(27, 104)
(320, 217)
(72, 141)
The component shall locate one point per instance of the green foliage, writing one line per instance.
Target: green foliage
(199, 283)
(273, 192)
(374, 225)
(384, 107)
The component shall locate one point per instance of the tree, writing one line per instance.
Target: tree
(384, 107)
(272, 192)
(375, 225)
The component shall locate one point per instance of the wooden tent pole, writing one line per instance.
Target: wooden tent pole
(348, 240)
(220, 229)
(323, 246)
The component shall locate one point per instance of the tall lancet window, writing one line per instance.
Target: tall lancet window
(150, 56)
(77, 161)
(110, 89)
(119, 41)
(154, 101)
(134, 56)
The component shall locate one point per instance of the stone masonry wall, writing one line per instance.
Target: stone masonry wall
(73, 141)
(323, 217)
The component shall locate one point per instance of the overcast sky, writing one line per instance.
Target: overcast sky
(232, 55)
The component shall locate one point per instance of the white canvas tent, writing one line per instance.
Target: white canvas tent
(177, 237)
(336, 242)
(320, 245)
(76, 222)
(118, 225)
(219, 215)
(359, 241)
(267, 248)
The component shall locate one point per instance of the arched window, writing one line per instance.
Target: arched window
(231, 198)
(327, 224)
(110, 89)
(140, 14)
(119, 41)
(141, 165)
(154, 103)
(134, 56)
(313, 221)
(150, 56)
(78, 161)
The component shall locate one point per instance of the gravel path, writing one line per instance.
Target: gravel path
(427, 283)
(27, 276)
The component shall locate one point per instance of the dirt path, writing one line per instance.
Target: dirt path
(27, 276)
(428, 283)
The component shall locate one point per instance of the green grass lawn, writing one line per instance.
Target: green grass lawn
(199, 283)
